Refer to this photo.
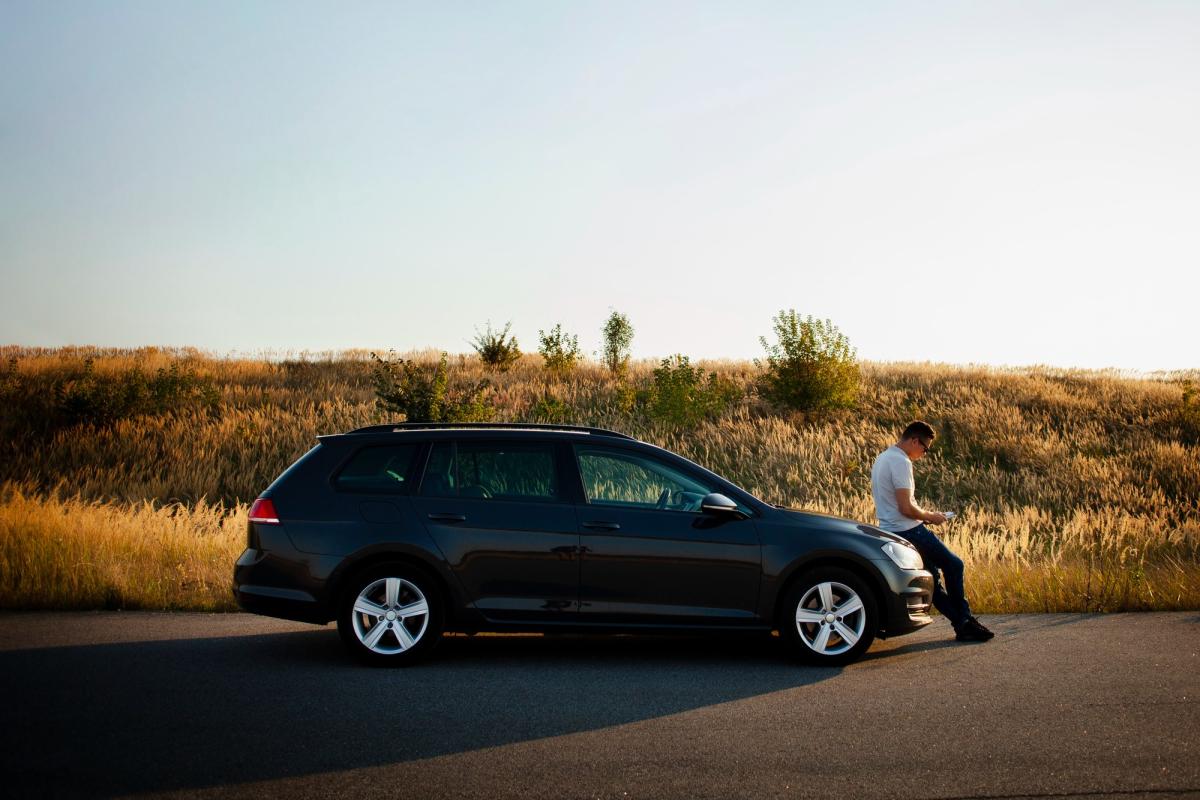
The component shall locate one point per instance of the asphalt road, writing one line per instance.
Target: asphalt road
(236, 705)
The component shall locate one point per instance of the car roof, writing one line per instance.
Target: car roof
(477, 430)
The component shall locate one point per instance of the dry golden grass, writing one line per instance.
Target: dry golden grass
(72, 553)
(1077, 490)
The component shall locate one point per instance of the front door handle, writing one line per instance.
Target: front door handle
(440, 517)
(602, 525)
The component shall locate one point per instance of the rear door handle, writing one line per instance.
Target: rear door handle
(603, 526)
(440, 517)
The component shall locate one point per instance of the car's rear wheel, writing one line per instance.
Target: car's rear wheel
(829, 617)
(390, 615)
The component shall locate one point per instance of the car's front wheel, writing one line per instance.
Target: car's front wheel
(829, 616)
(390, 615)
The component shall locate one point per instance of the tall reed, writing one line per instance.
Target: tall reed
(1078, 490)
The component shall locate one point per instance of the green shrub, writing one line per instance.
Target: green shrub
(496, 349)
(424, 394)
(618, 336)
(39, 407)
(683, 396)
(559, 350)
(551, 409)
(811, 367)
(1189, 414)
(623, 399)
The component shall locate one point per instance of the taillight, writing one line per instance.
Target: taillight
(263, 511)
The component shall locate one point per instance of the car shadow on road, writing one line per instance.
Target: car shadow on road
(189, 713)
(879, 655)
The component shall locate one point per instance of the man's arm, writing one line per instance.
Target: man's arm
(909, 508)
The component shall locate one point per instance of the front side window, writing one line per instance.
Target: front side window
(377, 469)
(619, 478)
(491, 470)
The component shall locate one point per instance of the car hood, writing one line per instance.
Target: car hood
(829, 522)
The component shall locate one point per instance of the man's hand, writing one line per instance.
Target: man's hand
(909, 508)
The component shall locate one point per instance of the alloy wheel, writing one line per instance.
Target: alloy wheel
(830, 618)
(390, 615)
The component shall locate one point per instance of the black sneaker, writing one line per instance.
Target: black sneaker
(972, 631)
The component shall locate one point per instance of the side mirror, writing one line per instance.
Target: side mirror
(718, 505)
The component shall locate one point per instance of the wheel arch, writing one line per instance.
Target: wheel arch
(352, 567)
(861, 569)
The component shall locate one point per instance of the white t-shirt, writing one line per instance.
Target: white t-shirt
(892, 470)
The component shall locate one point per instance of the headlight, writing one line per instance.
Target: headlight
(904, 556)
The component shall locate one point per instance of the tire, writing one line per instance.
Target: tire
(412, 601)
(829, 617)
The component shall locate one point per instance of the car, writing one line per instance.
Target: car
(402, 532)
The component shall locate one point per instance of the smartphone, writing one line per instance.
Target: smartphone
(949, 515)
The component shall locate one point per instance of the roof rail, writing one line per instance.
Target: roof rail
(538, 426)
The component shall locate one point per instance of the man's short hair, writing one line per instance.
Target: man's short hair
(918, 430)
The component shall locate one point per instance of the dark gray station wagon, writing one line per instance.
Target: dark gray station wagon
(401, 532)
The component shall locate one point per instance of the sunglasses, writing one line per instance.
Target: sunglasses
(924, 447)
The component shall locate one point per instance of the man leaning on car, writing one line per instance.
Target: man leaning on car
(894, 491)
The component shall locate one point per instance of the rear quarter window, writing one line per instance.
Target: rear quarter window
(383, 468)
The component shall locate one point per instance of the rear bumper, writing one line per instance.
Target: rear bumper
(263, 600)
(253, 576)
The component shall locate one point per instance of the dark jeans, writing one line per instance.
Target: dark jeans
(951, 601)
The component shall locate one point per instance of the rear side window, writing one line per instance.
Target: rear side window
(492, 470)
(378, 469)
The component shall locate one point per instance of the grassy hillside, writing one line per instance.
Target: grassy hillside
(125, 473)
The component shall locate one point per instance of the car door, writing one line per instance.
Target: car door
(650, 555)
(499, 514)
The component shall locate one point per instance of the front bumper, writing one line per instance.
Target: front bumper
(908, 604)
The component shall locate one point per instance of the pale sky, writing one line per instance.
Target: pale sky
(989, 182)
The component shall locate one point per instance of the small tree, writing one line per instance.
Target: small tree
(683, 396)
(424, 394)
(560, 350)
(618, 336)
(811, 367)
(496, 349)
